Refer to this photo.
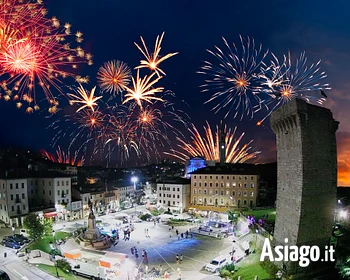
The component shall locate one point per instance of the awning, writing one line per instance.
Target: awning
(74, 254)
(50, 214)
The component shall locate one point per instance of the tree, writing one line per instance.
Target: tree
(33, 225)
(47, 223)
(344, 269)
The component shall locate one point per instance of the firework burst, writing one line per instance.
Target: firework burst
(208, 146)
(114, 76)
(35, 51)
(143, 90)
(88, 100)
(287, 80)
(153, 59)
(235, 78)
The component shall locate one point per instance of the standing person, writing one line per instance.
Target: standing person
(132, 250)
(181, 258)
(177, 258)
(177, 232)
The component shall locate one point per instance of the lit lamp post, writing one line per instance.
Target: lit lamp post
(134, 180)
(256, 238)
(13, 230)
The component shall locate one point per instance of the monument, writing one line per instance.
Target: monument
(306, 180)
(92, 232)
(92, 237)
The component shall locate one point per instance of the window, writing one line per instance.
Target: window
(11, 196)
(67, 183)
(16, 185)
(205, 184)
(239, 185)
(43, 191)
(239, 193)
(23, 196)
(216, 184)
(222, 201)
(160, 188)
(49, 183)
(24, 207)
(233, 193)
(205, 192)
(252, 178)
(211, 192)
(222, 193)
(228, 177)
(173, 189)
(210, 177)
(194, 191)
(195, 177)
(200, 184)
(160, 201)
(227, 193)
(178, 196)
(58, 192)
(245, 193)
(173, 202)
(252, 194)
(43, 182)
(239, 178)
(222, 185)
(199, 191)
(227, 185)
(13, 208)
(200, 177)
(233, 184)
(245, 178)
(160, 195)
(205, 177)
(233, 177)
(245, 185)
(58, 201)
(244, 202)
(194, 184)
(11, 186)
(31, 191)
(50, 193)
(216, 192)
(217, 177)
(210, 184)
(58, 183)
(178, 189)
(252, 185)
(22, 185)
(173, 195)
(67, 191)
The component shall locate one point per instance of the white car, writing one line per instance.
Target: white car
(216, 264)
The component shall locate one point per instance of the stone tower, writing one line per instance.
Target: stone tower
(222, 144)
(306, 177)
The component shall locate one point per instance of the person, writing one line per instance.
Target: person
(172, 227)
(166, 275)
(181, 257)
(132, 250)
(177, 258)
(177, 232)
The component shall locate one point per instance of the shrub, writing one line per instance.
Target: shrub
(270, 267)
(63, 265)
(145, 217)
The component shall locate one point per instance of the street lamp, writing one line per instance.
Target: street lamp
(134, 179)
(53, 255)
(53, 235)
(256, 238)
(13, 230)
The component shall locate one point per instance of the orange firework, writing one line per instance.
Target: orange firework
(34, 51)
(142, 90)
(83, 97)
(114, 76)
(153, 59)
(208, 146)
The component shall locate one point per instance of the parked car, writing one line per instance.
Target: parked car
(22, 238)
(4, 275)
(216, 264)
(13, 239)
(11, 244)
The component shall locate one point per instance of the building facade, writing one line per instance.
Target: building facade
(223, 187)
(14, 204)
(174, 194)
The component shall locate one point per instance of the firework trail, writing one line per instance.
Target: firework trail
(235, 79)
(153, 59)
(64, 157)
(34, 51)
(208, 146)
(114, 76)
(287, 80)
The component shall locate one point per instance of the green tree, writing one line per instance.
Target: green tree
(47, 223)
(34, 226)
(344, 269)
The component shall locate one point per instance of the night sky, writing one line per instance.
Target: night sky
(110, 27)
